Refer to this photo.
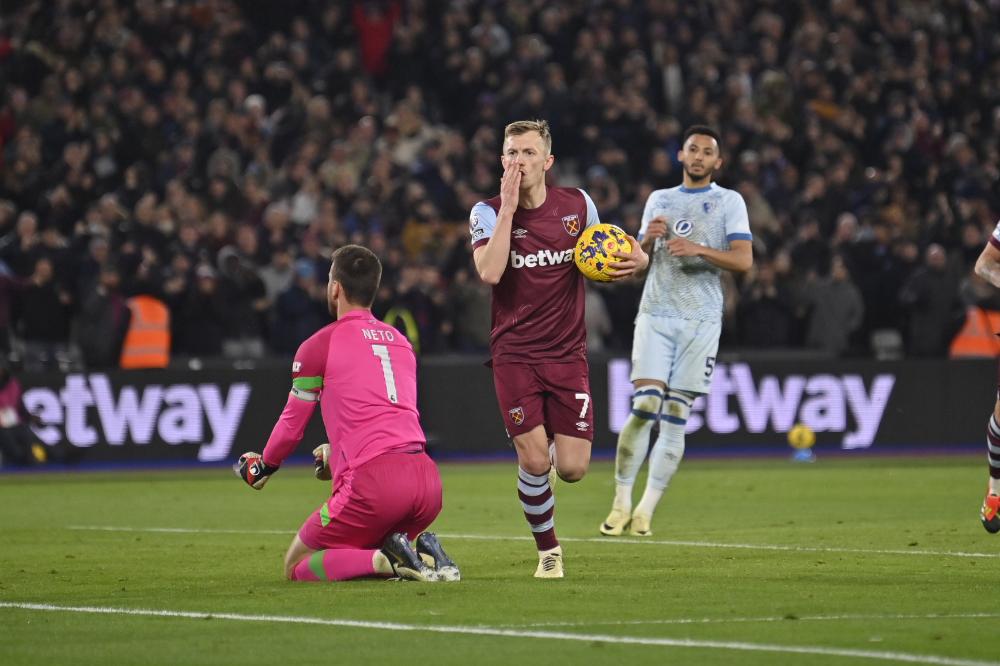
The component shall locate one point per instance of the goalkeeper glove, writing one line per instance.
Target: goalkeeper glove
(321, 456)
(252, 469)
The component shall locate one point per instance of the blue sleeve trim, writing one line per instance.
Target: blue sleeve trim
(732, 237)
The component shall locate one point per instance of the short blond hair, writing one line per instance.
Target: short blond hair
(520, 127)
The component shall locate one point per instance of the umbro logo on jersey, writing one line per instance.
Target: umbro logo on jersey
(519, 233)
(683, 228)
(540, 258)
(582, 426)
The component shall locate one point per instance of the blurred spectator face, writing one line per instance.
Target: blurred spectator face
(7, 213)
(935, 257)
(281, 259)
(43, 271)
(847, 228)
(189, 235)
(246, 241)
(110, 210)
(838, 269)
(528, 153)
(206, 279)
(700, 157)
(908, 251)
(971, 236)
(110, 279)
(809, 229)
(150, 116)
(430, 278)
(99, 250)
(659, 162)
(318, 110)
(145, 209)
(180, 264)
(51, 237)
(27, 225)
(765, 274)
(310, 245)
(218, 225)
(276, 216)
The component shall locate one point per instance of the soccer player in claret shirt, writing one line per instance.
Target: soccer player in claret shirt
(988, 268)
(386, 490)
(523, 242)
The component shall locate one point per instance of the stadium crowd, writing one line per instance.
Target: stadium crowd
(212, 153)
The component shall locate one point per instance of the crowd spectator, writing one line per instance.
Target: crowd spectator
(207, 152)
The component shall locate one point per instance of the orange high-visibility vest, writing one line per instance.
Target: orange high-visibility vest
(147, 342)
(978, 335)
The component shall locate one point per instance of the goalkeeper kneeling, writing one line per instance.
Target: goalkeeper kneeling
(386, 489)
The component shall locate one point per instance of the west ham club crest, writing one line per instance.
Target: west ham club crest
(571, 223)
(516, 415)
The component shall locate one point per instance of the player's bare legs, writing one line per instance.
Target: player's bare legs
(572, 454)
(572, 459)
(297, 551)
(991, 504)
(305, 564)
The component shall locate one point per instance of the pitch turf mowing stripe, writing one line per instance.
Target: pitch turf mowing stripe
(906, 657)
(605, 540)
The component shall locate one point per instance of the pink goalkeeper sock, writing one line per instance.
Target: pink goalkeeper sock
(340, 564)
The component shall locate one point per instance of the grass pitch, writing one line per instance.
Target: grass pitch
(754, 562)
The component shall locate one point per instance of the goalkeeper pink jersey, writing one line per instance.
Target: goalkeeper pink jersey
(363, 373)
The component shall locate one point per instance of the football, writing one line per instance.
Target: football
(595, 250)
(801, 436)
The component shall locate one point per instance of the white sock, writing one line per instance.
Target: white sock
(994, 486)
(623, 498)
(663, 462)
(633, 440)
(667, 452)
(650, 498)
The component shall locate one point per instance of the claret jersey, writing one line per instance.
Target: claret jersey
(538, 305)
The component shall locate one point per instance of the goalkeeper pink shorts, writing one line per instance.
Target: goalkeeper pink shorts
(395, 492)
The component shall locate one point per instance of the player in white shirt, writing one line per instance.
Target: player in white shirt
(691, 233)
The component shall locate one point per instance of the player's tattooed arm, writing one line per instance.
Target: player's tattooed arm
(988, 265)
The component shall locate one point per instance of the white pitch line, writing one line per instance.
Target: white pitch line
(171, 530)
(739, 546)
(512, 633)
(603, 540)
(770, 618)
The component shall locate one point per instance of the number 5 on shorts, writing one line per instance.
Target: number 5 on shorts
(586, 403)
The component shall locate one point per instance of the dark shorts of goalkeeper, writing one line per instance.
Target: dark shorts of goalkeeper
(395, 492)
